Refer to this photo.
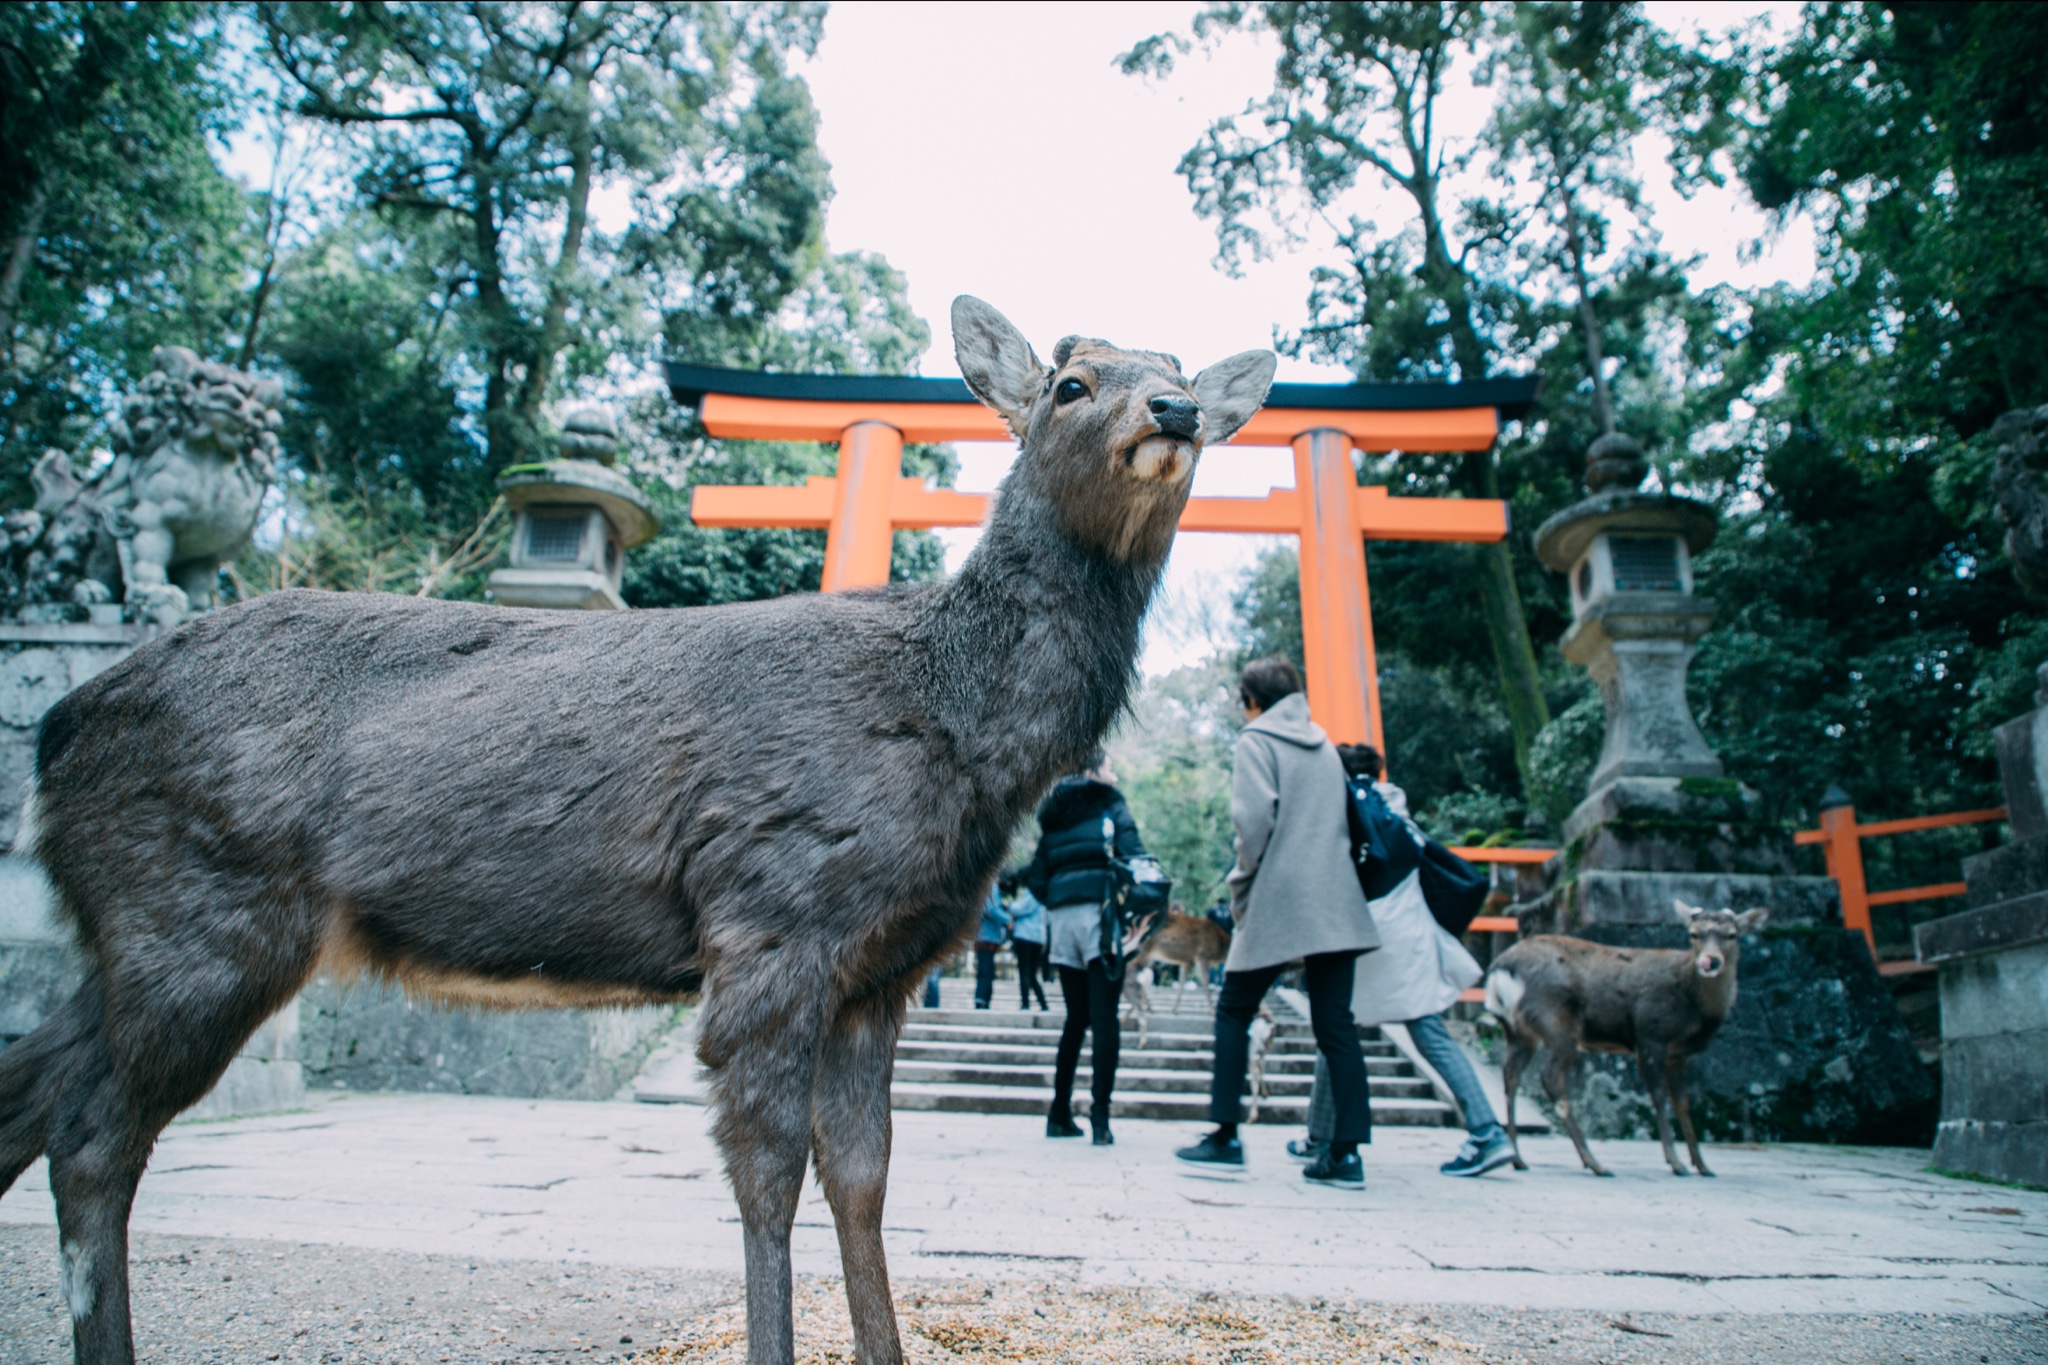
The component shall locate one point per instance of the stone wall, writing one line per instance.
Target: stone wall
(368, 1036)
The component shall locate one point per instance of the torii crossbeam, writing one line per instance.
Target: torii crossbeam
(871, 417)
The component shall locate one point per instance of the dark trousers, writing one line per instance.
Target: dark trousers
(1329, 977)
(1091, 1004)
(984, 974)
(1030, 965)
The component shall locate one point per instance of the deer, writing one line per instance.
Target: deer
(1193, 943)
(1662, 1004)
(788, 809)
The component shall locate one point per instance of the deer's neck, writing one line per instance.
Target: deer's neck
(1033, 649)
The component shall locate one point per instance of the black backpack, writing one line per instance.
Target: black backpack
(1386, 849)
(1382, 848)
(1138, 887)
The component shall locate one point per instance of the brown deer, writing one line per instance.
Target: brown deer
(792, 806)
(1662, 1004)
(1193, 943)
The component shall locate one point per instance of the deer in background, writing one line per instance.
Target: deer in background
(793, 806)
(1192, 943)
(1662, 1004)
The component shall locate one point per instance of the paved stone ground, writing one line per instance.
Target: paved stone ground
(477, 1230)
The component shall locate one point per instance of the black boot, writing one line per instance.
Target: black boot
(1098, 1119)
(1059, 1123)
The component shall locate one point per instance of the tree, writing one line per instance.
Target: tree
(117, 231)
(1523, 276)
(1357, 89)
(480, 287)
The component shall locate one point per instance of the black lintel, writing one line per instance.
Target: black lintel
(688, 384)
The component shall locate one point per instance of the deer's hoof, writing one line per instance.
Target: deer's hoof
(1602, 1172)
(1707, 1173)
(1680, 1171)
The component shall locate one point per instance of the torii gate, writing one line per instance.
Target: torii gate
(871, 417)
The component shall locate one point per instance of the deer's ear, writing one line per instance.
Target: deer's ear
(1749, 921)
(1686, 912)
(995, 359)
(1230, 391)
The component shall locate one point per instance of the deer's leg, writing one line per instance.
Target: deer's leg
(1650, 1066)
(139, 1052)
(1681, 1101)
(1557, 1080)
(1512, 1066)
(759, 1038)
(850, 1136)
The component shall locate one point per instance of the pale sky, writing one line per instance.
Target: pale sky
(994, 149)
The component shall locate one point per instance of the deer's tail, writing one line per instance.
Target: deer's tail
(36, 1068)
(1504, 996)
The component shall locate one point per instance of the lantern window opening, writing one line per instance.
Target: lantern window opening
(554, 537)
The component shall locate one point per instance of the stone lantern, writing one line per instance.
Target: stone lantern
(573, 521)
(1815, 1046)
(1628, 555)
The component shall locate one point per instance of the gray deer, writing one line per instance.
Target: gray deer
(792, 806)
(1662, 1004)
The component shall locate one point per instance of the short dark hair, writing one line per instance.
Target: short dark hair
(1092, 760)
(1361, 760)
(1265, 682)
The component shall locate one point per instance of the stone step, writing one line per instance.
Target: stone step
(1189, 1059)
(1133, 1078)
(993, 1033)
(1033, 1101)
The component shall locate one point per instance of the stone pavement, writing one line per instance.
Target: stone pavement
(1784, 1230)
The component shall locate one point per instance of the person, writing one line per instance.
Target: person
(1080, 822)
(1027, 938)
(1418, 972)
(995, 925)
(1294, 897)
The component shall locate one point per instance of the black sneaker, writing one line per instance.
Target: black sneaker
(1305, 1150)
(1477, 1157)
(1215, 1155)
(1346, 1172)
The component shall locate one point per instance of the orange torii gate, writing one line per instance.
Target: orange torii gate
(871, 417)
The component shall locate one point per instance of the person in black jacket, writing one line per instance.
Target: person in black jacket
(1080, 821)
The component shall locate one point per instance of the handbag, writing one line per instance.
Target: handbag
(1138, 886)
(1383, 847)
(1454, 889)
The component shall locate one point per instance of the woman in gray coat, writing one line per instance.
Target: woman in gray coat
(1295, 897)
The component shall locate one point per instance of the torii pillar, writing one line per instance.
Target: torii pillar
(869, 500)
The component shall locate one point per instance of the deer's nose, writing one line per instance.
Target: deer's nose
(1177, 416)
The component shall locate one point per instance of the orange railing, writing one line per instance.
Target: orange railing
(1841, 839)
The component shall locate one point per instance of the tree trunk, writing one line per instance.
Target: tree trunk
(540, 372)
(1589, 325)
(1500, 598)
(20, 252)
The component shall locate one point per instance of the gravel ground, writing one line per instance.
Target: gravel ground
(224, 1302)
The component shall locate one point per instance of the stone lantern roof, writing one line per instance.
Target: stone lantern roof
(1614, 468)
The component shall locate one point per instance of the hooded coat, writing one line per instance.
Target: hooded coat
(1294, 890)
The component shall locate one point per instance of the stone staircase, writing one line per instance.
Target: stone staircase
(1000, 1061)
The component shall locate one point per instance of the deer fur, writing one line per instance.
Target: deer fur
(792, 806)
(1662, 1004)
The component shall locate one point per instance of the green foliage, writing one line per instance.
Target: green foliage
(117, 231)
(1562, 759)
(1172, 758)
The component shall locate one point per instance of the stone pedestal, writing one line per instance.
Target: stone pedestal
(1993, 961)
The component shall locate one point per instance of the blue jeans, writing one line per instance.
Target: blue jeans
(1435, 1043)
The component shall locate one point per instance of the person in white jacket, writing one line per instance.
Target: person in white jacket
(1419, 972)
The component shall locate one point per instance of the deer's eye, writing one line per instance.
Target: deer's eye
(1068, 391)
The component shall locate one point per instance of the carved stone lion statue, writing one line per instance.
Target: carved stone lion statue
(2020, 483)
(195, 449)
